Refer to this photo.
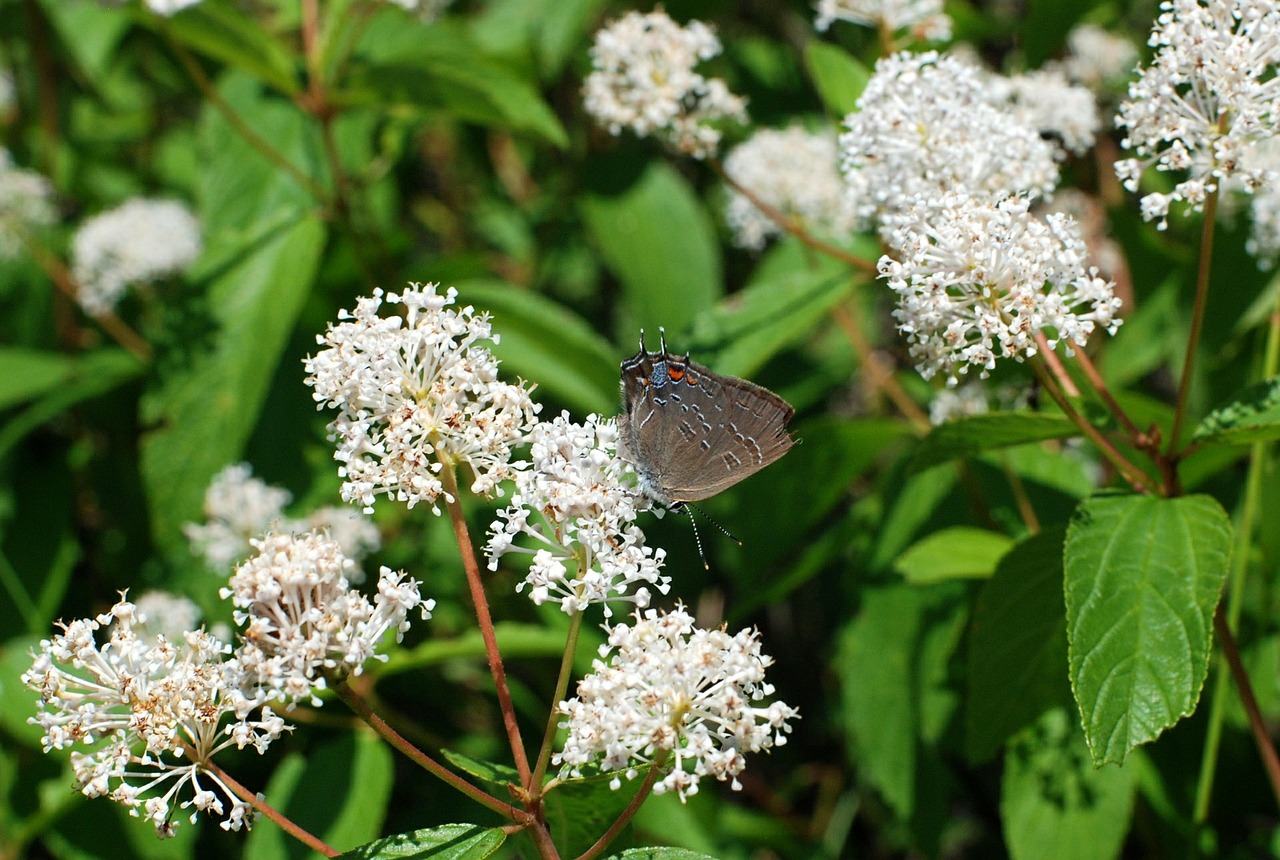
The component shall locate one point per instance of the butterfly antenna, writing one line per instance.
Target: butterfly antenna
(697, 538)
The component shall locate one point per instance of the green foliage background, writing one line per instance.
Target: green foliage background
(917, 624)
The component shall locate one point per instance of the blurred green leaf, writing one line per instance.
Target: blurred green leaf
(971, 434)
(1254, 416)
(959, 552)
(90, 32)
(1143, 576)
(1153, 334)
(1017, 645)
(910, 504)
(28, 373)
(1054, 803)
(548, 344)
(339, 792)
(17, 703)
(224, 32)
(448, 842)
(837, 75)
(658, 240)
(498, 774)
(205, 410)
(441, 67)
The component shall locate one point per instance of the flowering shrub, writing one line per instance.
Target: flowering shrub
(323, 516)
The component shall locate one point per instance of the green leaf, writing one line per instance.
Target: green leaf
(1254, 416)
(225, 33)
(579, 810)
(741, 333)
(448, 842)
(837, 75)
(339, 791)
(658, 240)
(959, 552)
(911, 503)
(1054, 804)
(548, 344)
(26, 374)
(971, 434)
(89, 31)
(440, 67)
(498, 774)
(1017, 651)
(84, 378)
(1143, 576)
(206, 408)
(661, 853)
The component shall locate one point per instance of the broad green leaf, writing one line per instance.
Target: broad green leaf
(890, 661)
(448, 842)
(579, 810)
(838, 76)
(745, 330)
(549, 345)
(440, 67)
(1254, 416)
(1143, 576)
(205, 410)
(911, 503)
(338, 791)
(89, 31)
(971, 434)
(661, 853)
(223, 32)
(657, 239)
(959, 552)
(1054, 803)
(59, 382)
(1017, 652)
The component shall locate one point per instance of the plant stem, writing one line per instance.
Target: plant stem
(614, 829)
(354, 701)
(1104, 391)
(286, 824)
(62, 278)
(880, 377)
(1197, 318)
(1258, 465)
(1054, 364)
(1131, 473)
(562, 687)
(1270, 761)
(791, 225)
(485, 621)
(257, 141)
(1025, 509)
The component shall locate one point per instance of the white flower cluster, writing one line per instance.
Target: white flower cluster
(1209, 95)
(795, 171)
(1049, 103)
(643, 79)
(239, 507)
(963, 400)
(153, 712)
(928, 124)
(302, 618)
(924, 18)
(665, 688)
(136, 243)
(169, 8)
(26, 202)
(159, 613)
(1097, 58)
(979, 278)
(415, 389)
(571, 500)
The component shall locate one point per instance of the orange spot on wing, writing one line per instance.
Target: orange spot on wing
(676, 373)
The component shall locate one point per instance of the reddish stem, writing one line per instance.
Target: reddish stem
(315, 843)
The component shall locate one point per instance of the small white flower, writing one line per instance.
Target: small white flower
(410, 390)
(951, 403)
(1209, 95)
(978, 279)
(169, 8)
(1047, 102)
(1097, 58)
(301, 618)
(795, 171)
(664, 686)
(237, 507)
(927, 125)
(923, 17)
(136, 243)
(643, 80)
(571, 500)
(153, 711)
(26, 202)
